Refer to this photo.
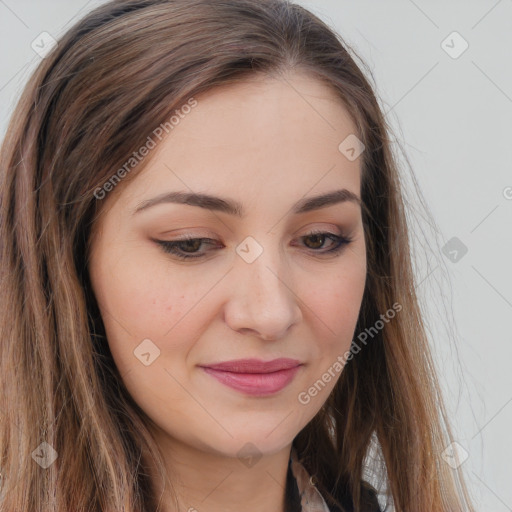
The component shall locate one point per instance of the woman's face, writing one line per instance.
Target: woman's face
(261, 285)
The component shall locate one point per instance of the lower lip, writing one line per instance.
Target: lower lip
(257, 384)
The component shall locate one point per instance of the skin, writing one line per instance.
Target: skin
(266, 143)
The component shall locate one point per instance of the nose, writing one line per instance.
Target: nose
(263, 300)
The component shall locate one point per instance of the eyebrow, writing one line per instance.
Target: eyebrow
(235, 208)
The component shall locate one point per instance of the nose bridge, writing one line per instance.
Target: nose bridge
(262, 299)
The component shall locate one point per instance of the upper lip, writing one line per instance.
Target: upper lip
(254, 365)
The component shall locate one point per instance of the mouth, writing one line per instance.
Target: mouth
(255, 377)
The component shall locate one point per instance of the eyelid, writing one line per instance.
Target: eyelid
(334, 228)
(186, 232)
(339, 241)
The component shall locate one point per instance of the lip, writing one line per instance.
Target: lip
(254, 376)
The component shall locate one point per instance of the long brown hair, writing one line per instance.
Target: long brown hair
(113, 78)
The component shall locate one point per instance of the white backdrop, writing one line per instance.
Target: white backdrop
(443, 74)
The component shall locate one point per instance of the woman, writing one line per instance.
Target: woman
(208, 301)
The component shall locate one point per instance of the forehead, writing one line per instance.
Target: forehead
(267, 137)
(283, 109)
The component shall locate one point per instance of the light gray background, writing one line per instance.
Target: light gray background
(453, 118)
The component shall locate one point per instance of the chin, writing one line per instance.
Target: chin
(248, 444)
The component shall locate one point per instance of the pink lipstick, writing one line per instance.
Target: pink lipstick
(253, 376)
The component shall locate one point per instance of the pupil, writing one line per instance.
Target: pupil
(318, 238)
(191, 244)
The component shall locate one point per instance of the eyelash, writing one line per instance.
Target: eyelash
(173, 247)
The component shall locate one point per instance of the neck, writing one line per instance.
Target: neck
(208, 481)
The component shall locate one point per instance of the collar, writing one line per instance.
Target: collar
(310, 498)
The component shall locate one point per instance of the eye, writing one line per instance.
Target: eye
(188, 247)
(319, 237)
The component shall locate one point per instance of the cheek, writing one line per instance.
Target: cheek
(138, 302)
(145, 298)
(335, 304)
(145, 311)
